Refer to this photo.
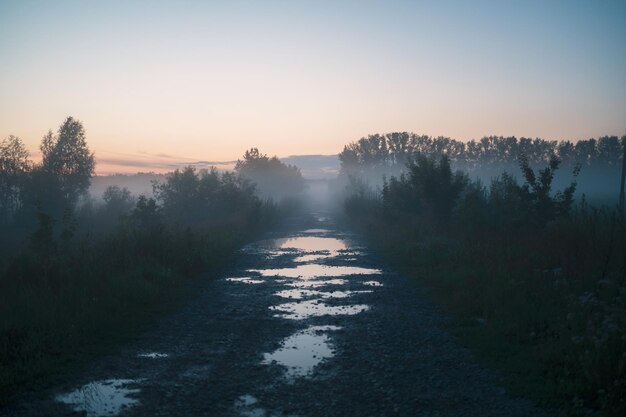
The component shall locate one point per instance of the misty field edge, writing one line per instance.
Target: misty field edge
(42, 350)
(486, 316)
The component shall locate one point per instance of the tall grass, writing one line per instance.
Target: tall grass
(65, 301)
(545, 305)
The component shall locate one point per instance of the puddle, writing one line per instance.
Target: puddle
(303, 351)
(316, 284)
(314, 308)
(352, 253)
(245, 406)
(102, 398)
(314, 244)
(153, 355)
(298, 294)
(312, 258)
(316, 231)
(246, 280)
(373, 283)
(309, 271)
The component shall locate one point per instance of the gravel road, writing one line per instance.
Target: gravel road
(307, 323)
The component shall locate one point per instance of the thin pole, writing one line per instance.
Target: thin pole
(621, 192)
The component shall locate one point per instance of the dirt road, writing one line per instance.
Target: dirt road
(307, 323)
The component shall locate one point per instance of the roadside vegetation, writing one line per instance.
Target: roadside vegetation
(533, 277)
(78, 276)
(599, 159)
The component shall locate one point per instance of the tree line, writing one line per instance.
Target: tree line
(397, 148)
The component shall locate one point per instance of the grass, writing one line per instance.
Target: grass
(545, 307)
(63, 306)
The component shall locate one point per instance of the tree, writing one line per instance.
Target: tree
(273, 177)
(428, 190)
(67, 158)
(179, 197)
(118, 202)
(14, 167)
(196, 199)
(64, 174)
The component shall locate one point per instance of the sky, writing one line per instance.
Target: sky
(155, 81)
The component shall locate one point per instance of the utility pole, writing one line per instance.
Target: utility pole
(621, 192)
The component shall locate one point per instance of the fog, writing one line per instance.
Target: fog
(497, 232)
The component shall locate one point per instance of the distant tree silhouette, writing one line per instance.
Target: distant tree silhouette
(272, 177)
(64, 174)
(430, 194)
(146, 217)
(118, 200)
(393, 150)
(14, 168)
(428, 189)
(190, 198)
(375, 156)
(68, 158)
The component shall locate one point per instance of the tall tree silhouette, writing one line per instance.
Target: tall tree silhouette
(14, 166)
(64, 174)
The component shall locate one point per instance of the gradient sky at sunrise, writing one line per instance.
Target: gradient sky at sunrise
(156, 81)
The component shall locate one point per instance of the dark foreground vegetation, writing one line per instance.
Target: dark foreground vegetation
(534, 279)
(78, 276)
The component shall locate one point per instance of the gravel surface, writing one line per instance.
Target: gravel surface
(364, 344)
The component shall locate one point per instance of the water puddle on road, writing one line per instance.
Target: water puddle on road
(314, 308)
(317, 284)
(312, 257)
(246, 280)
(308, 290)
(316, 231)
(152, 355)
(102, 398)
(313, 244)
(309, 271)
(302, 351)
(298, 294)
(246, 406)
(322, 247)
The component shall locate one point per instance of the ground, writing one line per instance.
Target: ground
(306, 323)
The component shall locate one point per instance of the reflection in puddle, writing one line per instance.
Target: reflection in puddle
(101, 398)
(313, 244)
(245, 406)
(153, 355)
(316, 284)
(313, 308)
(316, 231)
(246, 280)
(301, 352)
(300, 294)
(314, 270)
(311, 258)
(373, 283)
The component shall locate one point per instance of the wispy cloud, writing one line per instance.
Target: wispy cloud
(109, 162)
